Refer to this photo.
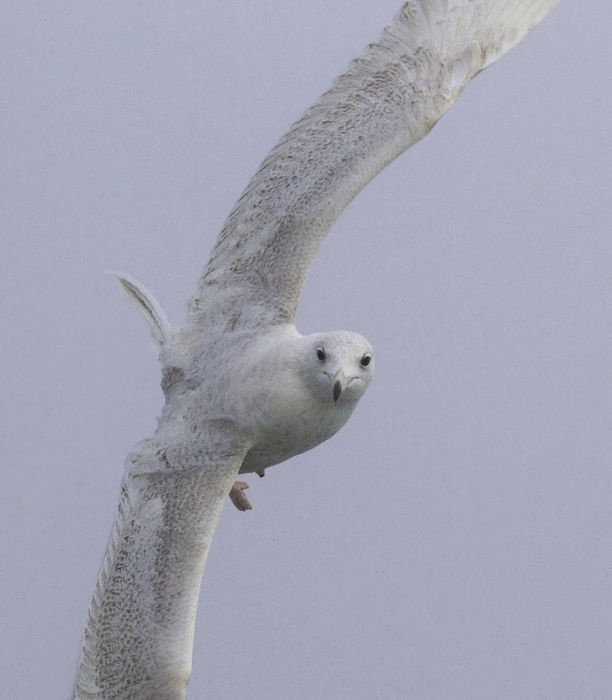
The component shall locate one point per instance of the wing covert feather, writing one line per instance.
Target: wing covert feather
(389, 98)
(139, 635)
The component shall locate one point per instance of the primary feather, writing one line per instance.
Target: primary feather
(389, 98)
(139, 635)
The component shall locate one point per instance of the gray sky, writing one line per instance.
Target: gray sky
(453, 540)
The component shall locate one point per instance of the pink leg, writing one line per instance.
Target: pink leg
(238, 498)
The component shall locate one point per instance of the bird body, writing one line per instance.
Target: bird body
(242, 400)
(267, 380)
(244, 390)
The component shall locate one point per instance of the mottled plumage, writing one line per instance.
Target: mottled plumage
(244, 390)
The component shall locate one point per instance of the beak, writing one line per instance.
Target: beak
(339, 382)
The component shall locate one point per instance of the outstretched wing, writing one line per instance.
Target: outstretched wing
(139, 636)
(389, 98)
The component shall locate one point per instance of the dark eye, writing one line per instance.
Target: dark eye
(321, 354)
(366, 359)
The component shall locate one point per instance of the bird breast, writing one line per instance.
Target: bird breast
(279, 408)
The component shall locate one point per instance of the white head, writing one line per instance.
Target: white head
(337, 366)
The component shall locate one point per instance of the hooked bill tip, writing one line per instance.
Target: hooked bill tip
(337, 390)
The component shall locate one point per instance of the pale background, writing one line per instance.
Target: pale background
(453, 541)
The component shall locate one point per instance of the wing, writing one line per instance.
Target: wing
(388, 99)
(139, 636)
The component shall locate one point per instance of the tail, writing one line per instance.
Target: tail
(142, 298)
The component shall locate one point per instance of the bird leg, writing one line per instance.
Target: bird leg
(238, 498)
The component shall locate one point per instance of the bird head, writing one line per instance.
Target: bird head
(339, 365)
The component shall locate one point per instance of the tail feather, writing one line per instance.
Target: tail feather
(148, 305)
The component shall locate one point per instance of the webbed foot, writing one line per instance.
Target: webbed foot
(237, 495)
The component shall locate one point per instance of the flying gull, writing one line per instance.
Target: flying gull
(244, 390)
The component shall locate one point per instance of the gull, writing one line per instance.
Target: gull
(244, 390)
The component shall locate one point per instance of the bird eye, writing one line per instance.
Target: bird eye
(321, 354)
(366, 359)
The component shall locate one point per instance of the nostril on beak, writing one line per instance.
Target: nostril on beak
(337, 390)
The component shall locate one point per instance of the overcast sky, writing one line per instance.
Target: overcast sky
(453, 540)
